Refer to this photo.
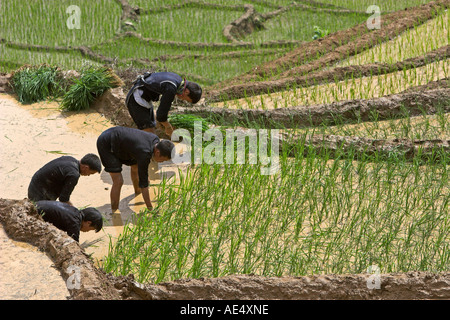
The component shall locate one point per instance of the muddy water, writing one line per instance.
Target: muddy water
(31, 136)
(27, 274)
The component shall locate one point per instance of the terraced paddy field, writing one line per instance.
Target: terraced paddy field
(355, 101)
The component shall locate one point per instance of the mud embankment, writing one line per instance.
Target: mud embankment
(334, 146)
(384, 108)
(22, 223)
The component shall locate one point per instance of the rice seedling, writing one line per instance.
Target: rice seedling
(187, 121)
(414, 42)
(316, 216)
(27, 20)
(359, 88)
(385, 5)
(35, 83)
(92, 83)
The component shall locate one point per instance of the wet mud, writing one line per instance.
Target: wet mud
(27, 273)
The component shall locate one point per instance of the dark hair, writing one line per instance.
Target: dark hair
(195, 91)
(165, 148)
(93, 161)
(94, 216)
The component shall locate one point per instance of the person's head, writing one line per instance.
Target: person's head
(192, 93)
(92, 220)
(90, 164)
(163, 151)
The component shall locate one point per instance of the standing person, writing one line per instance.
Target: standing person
(69, 219)
(150, 87)
(58, 178)
(135, 148)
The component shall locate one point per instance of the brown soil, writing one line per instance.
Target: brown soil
(331, 49)
(440, 84)
(22, 223)
(335, 145)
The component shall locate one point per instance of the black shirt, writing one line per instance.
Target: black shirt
(134, 146)
(62, 215)
(56, 179)
(161, 84)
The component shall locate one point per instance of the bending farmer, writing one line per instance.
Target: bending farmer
(135, 148)
(150, 87)
(58, 178)
(69, 219)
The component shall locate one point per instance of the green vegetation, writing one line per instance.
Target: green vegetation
(186, 121)
(92, 83)
(35, 83)
(319, 33)
(320, 213)
(316, 216)
(385, 5)
(196, 25)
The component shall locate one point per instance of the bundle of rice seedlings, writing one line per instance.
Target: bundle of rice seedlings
(35, 83)
(94, 81)
(186, 121)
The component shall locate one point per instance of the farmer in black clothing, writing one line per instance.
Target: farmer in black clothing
(135, 148)
(69, 219)
(150, 87)
(58, 178)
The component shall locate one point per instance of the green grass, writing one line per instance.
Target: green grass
(35, 83)
(92, 83)
(43, 22)
(298, 24)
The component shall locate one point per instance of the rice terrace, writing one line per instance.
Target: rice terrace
(315, 165)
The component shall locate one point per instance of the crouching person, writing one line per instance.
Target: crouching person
(69, 219)
(119, 146)
(58, 178)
